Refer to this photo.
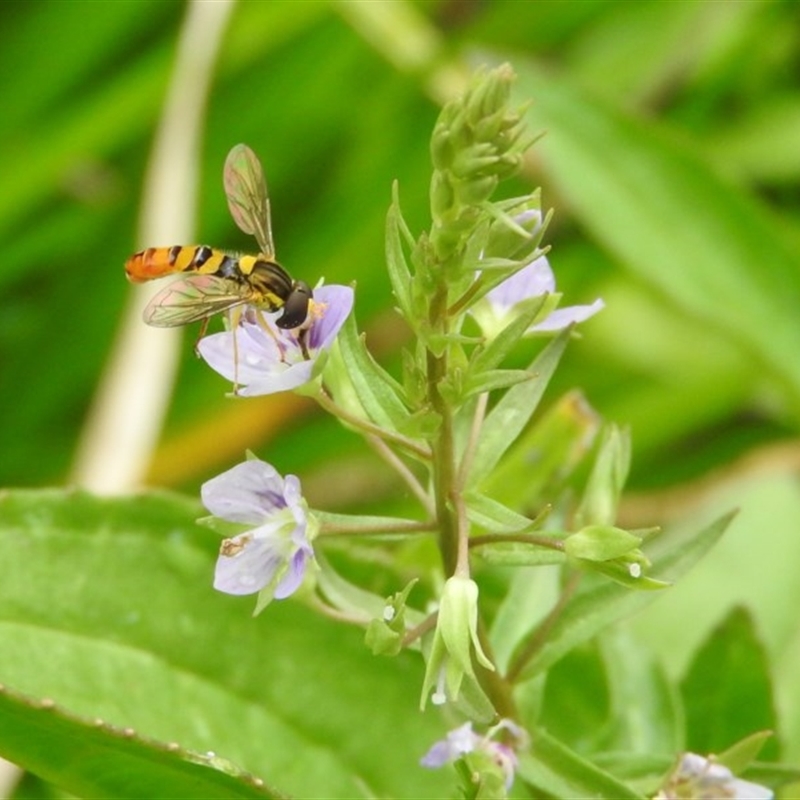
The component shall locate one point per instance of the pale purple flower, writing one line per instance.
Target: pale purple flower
(463, 740)
(277, 360)
(271, 557)
(699, 778)
(537, 280)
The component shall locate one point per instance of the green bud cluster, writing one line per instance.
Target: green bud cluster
(478, 140)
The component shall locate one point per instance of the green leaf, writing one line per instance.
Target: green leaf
(620, 572)
(531, 592)
(494, 379)
(645, 715)
(555, 769)
(710, 247)
(354, 600)
(107, 608)
(603, 602)
(490, 515)
(738, 757)
(727, 689)
(496, 350)
(377, 391)
(399, 273)
(511, 413)
(92, 759)
(533, 471)
(607, 480)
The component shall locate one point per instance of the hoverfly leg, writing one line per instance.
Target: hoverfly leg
(200, 335)
(301, 338)
(266, 328)
(234, 318)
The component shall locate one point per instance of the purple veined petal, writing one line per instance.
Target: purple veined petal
(246, 493)
(263, 552)
(289, 583)
(533, 280)
(562, 317)
(337, 302)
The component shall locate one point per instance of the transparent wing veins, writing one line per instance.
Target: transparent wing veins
(248, 200)
(193, 298)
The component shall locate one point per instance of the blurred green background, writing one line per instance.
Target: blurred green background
(671, 158)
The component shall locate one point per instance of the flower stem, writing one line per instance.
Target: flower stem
(363, 425)
(539, 636)
(399, 529)
(524, 538)
(394, 461)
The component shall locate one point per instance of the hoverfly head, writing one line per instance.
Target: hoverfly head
(295, 309)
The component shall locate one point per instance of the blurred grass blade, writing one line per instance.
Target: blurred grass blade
(710, 247)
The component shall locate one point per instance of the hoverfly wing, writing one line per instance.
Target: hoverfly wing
(248, 200)
(193, 298)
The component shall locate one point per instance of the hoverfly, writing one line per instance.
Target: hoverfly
(214, 280)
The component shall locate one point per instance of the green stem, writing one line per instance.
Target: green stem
(399, 529)
(395, 462)
(524, 538)
(444, 471)
(497, 687)
(539, 636)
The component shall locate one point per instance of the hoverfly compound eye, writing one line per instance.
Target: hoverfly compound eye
(295, 309)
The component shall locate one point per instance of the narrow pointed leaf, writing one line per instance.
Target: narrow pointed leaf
(705, 242)
(513, 411)
(605, 602)
(378, 393)
(399, 273)
(558, 771)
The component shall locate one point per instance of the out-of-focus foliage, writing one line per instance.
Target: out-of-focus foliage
(671, 158)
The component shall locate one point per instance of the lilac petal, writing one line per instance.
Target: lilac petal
(338, 303)
(256, 352)
(251, 569)
(457, 743)
(437, 756)
(279, 381)
(534, 280)
(289, 583)
(562, 317)
(247, 493)
(291, 490)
